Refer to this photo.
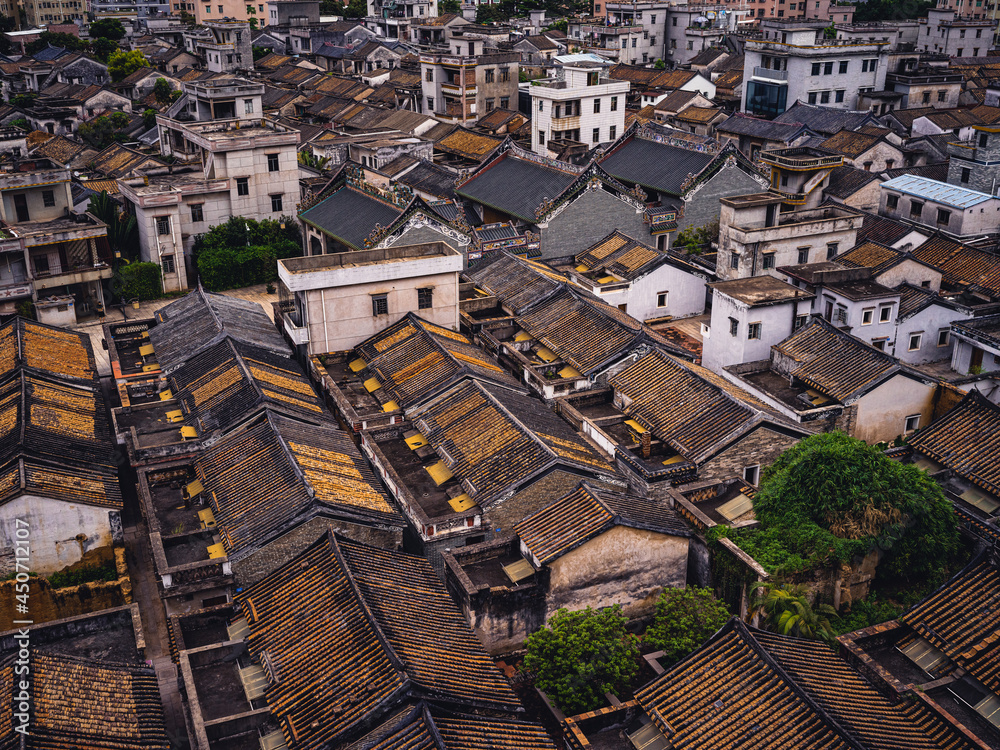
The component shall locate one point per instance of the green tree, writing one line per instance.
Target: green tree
(7, 23)
(356, 9)
(786, 609)
(23, 100)
(685, 618)
(450, 6)
(309, 159)
(122, 64)
(103, 48)
(849, 498)
(56, 39)
(139, 281)
(148, 118)
(123, 231)
(107, 28)
(659, 64)
(162, 90)
(579, 656)
(21, 122)
(259, 52)
(695, 240)
(243, 252)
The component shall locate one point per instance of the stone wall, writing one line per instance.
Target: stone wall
(590, 217)
(759, 448)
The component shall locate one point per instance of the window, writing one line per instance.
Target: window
(425, 298)
(961, 33)
(839, 96)
(800, 320)
(41, 264)
(944, 337)
(812, 97)
(803, 255)
(914, 344)
(750, 474)
(673, 21)
(429, 75)
(490, 105)
(767, 261)
(597, 106)
(926, 99)
(885, 314)
(504, 102)
(163, 225)
(661, 299)
(276, 203)
(197, 212)
(816, 68)
(430, 103)
(943, 217)
(612, 132)
(48, 198)
(979, 32)
(975, 52)
(541, 137)
(504, 75)
(982, 140)
(753, 331)
(912, 423)
(490, 73)
(541, 105)
(831, 250)
(243, 186)
(942, 96)
(879, 344)
(960, 52)
(272, 162)
(208, 9)
(916, 209)
(634, 40)
(597, 135)
(824, 97)
(843, 66)
(248, 106)
(222, 10)
(892, 202)
(828, 68)
(167, 262)
(867, 316)
(734, 327)
(614, 103)
(380, 304)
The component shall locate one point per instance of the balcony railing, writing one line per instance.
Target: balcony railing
(770, 75)
(800, 161)
(469, 89)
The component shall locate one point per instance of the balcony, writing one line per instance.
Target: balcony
(299, 335)
(801, 159)
(766, 74)
(456, 89)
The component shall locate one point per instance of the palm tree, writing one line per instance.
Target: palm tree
(309, 159)
(786, 609)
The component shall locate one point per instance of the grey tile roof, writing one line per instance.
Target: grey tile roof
(430, 178)
(654, 165)
(516, 186)
(350, 216)
(846, 181)
(741, 124)
(826, 120)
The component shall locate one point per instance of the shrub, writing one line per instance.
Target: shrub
(85, 574)
(685, 618)
(141, 281)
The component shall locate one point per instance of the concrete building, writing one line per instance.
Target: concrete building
(956, 211)
(625, 41)
(947, 33)
(976, 345)
(932, 86)
(749, 316)
(223, 43)
(41, 13)
(249, 167)
(391, 19)
(756, 237)
(975, 164)
(463, 86)
(290, 13)
(795, 61)
(581, 104)
(331, 303)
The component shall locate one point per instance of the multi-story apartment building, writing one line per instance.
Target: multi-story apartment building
(392, 18)
(622, 41)
(945, 32)
(582, 104)
(691, 29)
(224, 44)
(462, 86)
(216, 10)
(48, 12)
(246, 166)
(122, 9)
(795, 61)
(975, 164)
(288, 13)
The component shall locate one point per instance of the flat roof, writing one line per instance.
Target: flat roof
(760, 290)
(936, 191)
(358, 258)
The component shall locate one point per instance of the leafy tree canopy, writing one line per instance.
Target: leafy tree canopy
(849, 497)
(104, 130)
(243, 252)
(140, 281)
(102, 48)
(580, 656)
(685, 618)
(107, 28)
(7, 23)
(355, 9)
(162, 90)
(122, 64)
(123, 232)
(695, 240)
(56, 39)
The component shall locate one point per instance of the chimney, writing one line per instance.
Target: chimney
(647, 444)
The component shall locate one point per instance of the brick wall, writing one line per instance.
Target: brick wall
(591, 217)
(702, 207)
(762, 446)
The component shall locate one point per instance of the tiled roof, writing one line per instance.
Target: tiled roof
(540, 42)
(350, 215)
(741, 124)
(516, 186)
(346, 632)
(905, 117)
(46, 350)
(846, 181)
(60, 149)
(620, 255)
(497, 118)
(84, 483)
(850, 143)
(495, 440)
(729, 79)
(826, 120)
(966, 440)
(121, 161)
(699, 114)
(514, 281)
(727, 690)
(584, 513)
(658, 166)
(960, 264)
(962, 620)
(880, 229)
(871, 255)
(428, 177)
(472, 145)
(690, 408)
(271, 61)
(675, 100)
(834, 362)
(109, 706)
(276, 474)
(200, 319)
(228, 381)
(414, 359)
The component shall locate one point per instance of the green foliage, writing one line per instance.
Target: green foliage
(123, 231)
(695, 240)
(23, 100)
(140, 281)
(449, 6)
(356, 9)
(85, 574)
(162, 90)
(685, 618)
(495, 13)
(56, 39)
(102, 131)
(7, 23)
(560, 25)
(122, 64)
(865, 613)
(891, 10)
(26, 309)
(659, 64)
(259, 52)
(148, 118)
(833, 496)
(786, 609)
(107, 28)
(579, 656)
(103, 48)
(309, 159)
(243, 252)
(21, 122)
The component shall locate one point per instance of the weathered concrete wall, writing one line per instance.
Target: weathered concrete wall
(883, 411)
(760, 448)
(621, 566)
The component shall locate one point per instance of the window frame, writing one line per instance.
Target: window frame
(162, 225)
(273, 162)
(425, 298)
(380, 304)
(242, 186)
(915, 419)
(755, 331)
(197, 212)
(280, 202)
(885, 313)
